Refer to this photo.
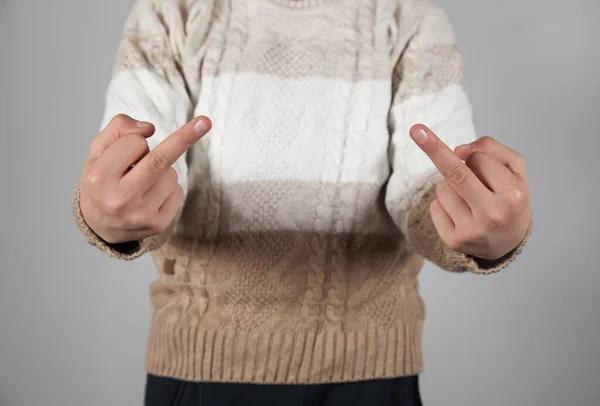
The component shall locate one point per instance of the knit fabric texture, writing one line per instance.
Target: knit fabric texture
(295, 255)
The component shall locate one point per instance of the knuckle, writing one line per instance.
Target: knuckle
(120, 120)
(486, 141)
(457, 175)
(516, 197)
(93, 179)
(494, 218)
(519, 160)
(139, 142)
(476, 157)
(137, 138)
(476, 160)
(157, 162)
(114, 205)
(138, 219)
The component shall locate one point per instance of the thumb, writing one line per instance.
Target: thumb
(465, 151)
(500, 152)
(145, 174)
(119, 125)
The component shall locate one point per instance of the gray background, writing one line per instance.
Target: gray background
(73, 323)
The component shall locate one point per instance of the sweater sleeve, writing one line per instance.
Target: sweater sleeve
(428, 89)
(148, 85)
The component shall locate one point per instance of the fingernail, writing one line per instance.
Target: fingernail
(201, 126)
(142, 124)
(465, 146)
(420, 136)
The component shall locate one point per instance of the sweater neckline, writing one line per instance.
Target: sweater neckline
(303, 3)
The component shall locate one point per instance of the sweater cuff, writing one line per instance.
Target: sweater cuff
(424, 237)
(123, 251)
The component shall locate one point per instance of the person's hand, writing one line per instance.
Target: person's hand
(127, 192)
(482, 206)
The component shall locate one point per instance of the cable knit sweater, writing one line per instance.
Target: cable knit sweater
(294, 257)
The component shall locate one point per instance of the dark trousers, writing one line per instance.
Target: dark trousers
(384, 392)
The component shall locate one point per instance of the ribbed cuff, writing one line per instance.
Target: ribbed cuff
(192, 353)
(123, 251)
(424, 237)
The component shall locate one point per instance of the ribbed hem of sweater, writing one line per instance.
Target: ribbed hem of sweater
(193, 353)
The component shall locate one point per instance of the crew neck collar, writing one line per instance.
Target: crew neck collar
(303, 3)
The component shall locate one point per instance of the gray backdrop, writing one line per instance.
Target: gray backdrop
(73, 323)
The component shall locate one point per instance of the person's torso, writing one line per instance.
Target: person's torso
(284, 250)
(299, 97)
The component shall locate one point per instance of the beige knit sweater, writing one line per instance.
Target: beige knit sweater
(295, 256)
